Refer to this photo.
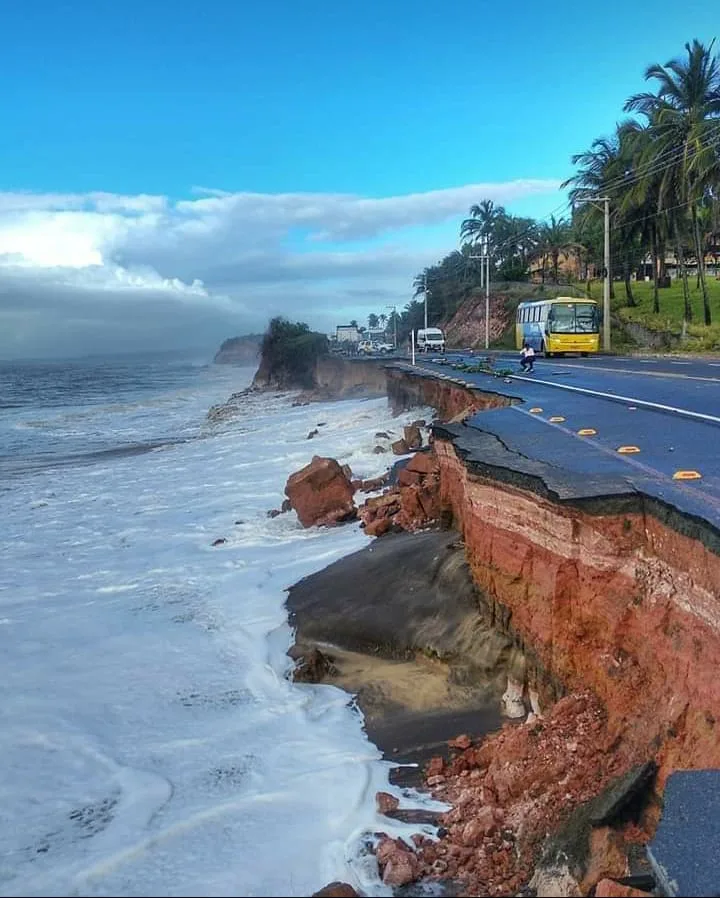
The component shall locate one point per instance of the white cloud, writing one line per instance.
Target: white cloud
(217, 264)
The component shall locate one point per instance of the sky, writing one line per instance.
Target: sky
(175, 173)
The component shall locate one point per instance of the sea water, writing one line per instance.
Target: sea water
(151, 740)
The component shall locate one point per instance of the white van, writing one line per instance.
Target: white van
(430, 339)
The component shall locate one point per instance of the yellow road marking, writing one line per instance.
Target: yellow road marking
(627, 450)
(535, 411)
(587, 432)
(687, 475)
(556, 419)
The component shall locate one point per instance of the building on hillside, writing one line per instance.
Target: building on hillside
(570, 268)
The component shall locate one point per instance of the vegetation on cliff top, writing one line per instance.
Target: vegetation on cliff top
(288, 354)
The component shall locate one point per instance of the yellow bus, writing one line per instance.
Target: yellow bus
(559, 325)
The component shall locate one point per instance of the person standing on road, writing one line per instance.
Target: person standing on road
(527, 357)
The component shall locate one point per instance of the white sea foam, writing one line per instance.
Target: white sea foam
(152, 743)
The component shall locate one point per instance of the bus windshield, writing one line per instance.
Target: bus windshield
(573, 318)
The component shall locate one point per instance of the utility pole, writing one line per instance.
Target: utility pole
(605, 200)
(394, 311)
(485, 263)
(425, 292)
(487, 294)
(606, 285)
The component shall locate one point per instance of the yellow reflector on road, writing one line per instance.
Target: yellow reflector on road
(556, 419)
(687, 475)
(535, 411)
(627, 450)
(587, 432)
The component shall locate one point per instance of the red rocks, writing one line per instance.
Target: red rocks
(313, 667)
(336, 890)
(321, 493)
(374, 483)
(398, 863)
(516, 787)
(413, 504)
(378, 526)
(400, 447)
(412, 436)
(423, 463)
(408, 478)
(608, 888)
(386, 802)
(460, 742)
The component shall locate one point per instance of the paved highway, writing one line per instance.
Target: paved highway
(638, 423)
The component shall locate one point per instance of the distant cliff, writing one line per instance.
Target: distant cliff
(239, 350)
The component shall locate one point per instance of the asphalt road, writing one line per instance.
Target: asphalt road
(664, 411)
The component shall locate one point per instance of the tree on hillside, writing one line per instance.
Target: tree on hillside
(481, 223)
(684, 117)
(556, 237)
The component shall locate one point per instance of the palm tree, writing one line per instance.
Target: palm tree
(482, 221)
(600, 166)
(556, 238)
(372, 321)
(683, 115)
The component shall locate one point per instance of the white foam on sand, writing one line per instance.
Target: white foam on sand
(152, 743)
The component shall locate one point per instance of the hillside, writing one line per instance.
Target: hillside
(466, 328)
(243, 350)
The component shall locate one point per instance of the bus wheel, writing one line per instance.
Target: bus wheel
(584, 354)
(548, 355)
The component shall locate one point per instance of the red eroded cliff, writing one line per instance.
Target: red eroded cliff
(407, 388)
(619, 603)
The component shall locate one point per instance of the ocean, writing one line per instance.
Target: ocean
(152, 741)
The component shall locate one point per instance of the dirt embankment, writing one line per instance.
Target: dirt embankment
(621, 596)
(621, 603)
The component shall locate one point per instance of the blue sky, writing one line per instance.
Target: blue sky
(374, 100)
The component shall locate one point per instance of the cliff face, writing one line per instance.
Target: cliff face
(620, 603)
(467, 326)
(243, 350)
(621, 596)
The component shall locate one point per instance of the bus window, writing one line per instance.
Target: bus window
(573, 318)
(561, 319)
(587, 318)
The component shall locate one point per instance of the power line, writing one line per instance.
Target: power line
(656, 165)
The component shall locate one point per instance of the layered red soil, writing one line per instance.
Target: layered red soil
(620, 604)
